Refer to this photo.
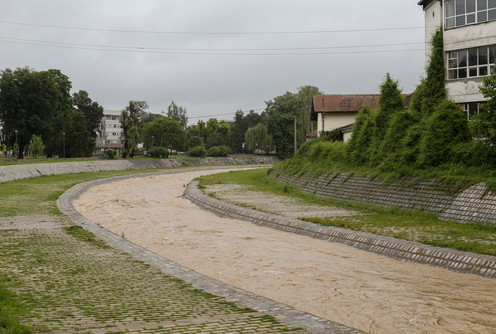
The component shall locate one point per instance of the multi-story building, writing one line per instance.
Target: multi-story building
(110, 131)
(469, 38)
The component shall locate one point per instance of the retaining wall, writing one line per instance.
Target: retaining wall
(23, 171)
(474, 204)
(482, 265)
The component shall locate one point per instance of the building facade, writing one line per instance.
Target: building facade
(110, 133)
(469, 38)
(339, 111)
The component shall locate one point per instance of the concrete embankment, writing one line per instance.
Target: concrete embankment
(23, 171)
(482, 265)
(471, 205)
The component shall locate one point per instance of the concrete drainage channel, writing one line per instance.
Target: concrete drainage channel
(280, 311)
(458, 261)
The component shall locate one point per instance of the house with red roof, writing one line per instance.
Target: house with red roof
(340, 111)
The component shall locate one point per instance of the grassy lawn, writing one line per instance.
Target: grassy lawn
(403, 224)
(68, 280)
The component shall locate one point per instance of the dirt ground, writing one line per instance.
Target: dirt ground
(333, 281)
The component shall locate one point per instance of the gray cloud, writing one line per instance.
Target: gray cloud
(214, 84)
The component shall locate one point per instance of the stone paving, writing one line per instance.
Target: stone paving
(79, 285)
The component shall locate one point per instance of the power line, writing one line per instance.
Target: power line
(215, 52)
(210, 32)
(209, 49)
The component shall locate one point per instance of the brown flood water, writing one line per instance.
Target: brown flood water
(340, 283)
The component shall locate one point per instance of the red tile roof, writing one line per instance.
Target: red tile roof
(344, 103)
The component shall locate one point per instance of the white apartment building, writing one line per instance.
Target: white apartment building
(110, 131)
(469, 38)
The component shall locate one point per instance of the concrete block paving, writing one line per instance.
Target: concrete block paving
(73, 286)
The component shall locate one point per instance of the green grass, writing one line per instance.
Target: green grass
(410, 225)
(10, 309)
(451, 177)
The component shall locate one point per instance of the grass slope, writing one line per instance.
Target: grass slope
(403, 224)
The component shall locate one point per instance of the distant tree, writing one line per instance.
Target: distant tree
(258, 138)
(305, 96)
(282, 112)
(36, 147)
(29, 101)
(238, 133)
(91, 110)
(164, 132)
(78, 140)
(178, 113)
(218, 133)
(131, 121)
(129, 134)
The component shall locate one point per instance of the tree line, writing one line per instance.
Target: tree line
(37, 107)
(429, 132)
(39, 115)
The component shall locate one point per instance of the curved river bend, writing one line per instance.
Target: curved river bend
(333, 281)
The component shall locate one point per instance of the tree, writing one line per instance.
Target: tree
(445, 128)
(29, 101)
(485, 124)
(431, 90)
(178, 113)
(258, 138)
(305, 96)
(218, 133)
(391, 102)
(358, 149)
(393, 146)
(36, 147)
(164, 132)
(131, 121)
(238, 133)
(77, 141)
(91, 110)
(282, 113)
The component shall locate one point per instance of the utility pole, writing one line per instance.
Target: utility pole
(295, 139)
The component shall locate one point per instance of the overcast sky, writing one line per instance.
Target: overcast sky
(215, 56)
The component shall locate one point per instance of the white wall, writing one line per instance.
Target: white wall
(331, 121)
(433, 19)
(467, 90)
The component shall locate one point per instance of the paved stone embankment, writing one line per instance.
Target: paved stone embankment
(285, 314)
(23, 171)
(454, 260)
(474, 204)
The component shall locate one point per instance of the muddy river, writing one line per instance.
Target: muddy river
(346, 285)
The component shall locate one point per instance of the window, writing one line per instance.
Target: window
(470, 63)
(472, 109)
(463, 12)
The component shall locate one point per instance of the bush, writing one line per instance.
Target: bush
(334, 135)
(445, 128)
(324, 151)
(111, 153)
(474, 153)
(197, 151)
(218, 151)
(158, 152)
